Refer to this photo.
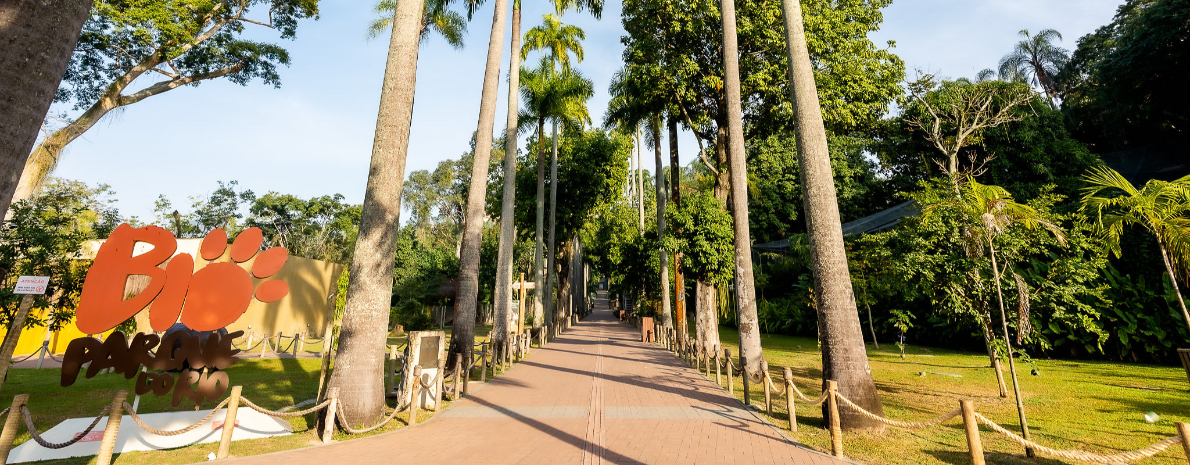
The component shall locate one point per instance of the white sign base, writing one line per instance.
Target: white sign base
(250, 424)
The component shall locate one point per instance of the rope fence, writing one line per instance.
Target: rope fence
(698, 357)
(514, 348)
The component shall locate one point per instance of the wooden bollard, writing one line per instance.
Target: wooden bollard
(113, 428)
(297, 337)
(391, 375)
(440, 395)
(302, 341)
(264, 345)
(454, 388)
(11, 424)
(332, 410)
(483, 363)
(730, 383)
(787, 374)
(718, 368)
(229, 422)
(249, 345)
(1183, 431)
(413, 401)
(833, 407)
(764, 379)
(971, 426)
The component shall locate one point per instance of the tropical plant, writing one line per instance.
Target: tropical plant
(557, 39)
(1161, 207)
(987, 212)
(360, 355)
(1038, 58)
(34, 59)
(439, 18)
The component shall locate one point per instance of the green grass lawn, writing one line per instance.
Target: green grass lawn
(1087, 405)
(270, 383)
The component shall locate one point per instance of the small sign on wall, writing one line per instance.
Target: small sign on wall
(31, 285)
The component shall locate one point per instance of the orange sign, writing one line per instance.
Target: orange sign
(211, 298)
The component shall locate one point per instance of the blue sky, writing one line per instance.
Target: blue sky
(313, 136)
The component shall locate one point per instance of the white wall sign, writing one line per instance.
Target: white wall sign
(31, 285)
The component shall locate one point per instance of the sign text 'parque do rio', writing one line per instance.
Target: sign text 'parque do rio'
(204, 301)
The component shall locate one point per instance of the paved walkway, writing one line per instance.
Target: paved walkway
(596, 395)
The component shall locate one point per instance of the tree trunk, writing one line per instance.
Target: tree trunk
(640, 185)
(539, 293)
(502, 313)
(1173, 280)
(675, 196)
(706, 299)
(737, 158)
(462, 337)
(359, 361)
(844, 359)
(551, 254)
(1016, 385)
(39, 39)
(666, 317)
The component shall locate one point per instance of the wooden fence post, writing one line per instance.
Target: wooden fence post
(11, 424)
(483, 363)
(390, 377)
(971, 426)
(1183, 431)
(413, 395)
(113, 428)
(332, 411)
(718, 364)
(833, 406)
(440, 395)
(454, 388)
(730, 382)
(229, 422)
(297, 337)
(764, 379)
(787, 375)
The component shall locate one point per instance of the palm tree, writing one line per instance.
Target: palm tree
(631, 107)
(989, 211)
(359, 360)
(559, 40)
(39, 39)
(844, 358)
(1162, 207)
(438, 18)
(1036, 56)
(502, 312)
(463, 335)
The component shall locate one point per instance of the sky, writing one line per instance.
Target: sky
(313, 135)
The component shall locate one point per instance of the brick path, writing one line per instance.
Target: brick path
(596, 395)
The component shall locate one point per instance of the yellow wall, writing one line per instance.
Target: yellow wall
(310, 283)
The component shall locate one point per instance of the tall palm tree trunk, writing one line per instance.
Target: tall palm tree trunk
(539, 293)
(640, 184)
(463, 335)
(504, 272)
(666, 317)
(844, 358)
(706, 324)
(737, 158)
(38, 38)
(550, 311)
(359, 360)
(1173, 280)
(1016, 385)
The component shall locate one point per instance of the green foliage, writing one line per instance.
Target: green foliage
(197, 39)
(1124, 85)
(322, 228)
(438, 17)
(421, 272)
(45, 236)
(222, 209)
(701, 231)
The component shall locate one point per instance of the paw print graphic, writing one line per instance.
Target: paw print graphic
(211, 298)
(220, 292)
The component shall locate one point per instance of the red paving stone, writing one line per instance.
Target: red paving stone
(596, 395)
